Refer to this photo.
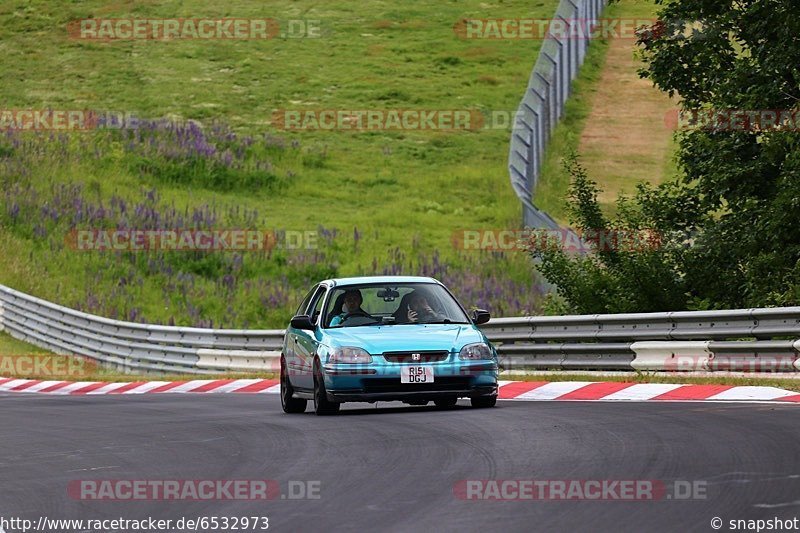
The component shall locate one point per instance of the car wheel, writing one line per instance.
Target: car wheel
(322, 406)
(445, 403)
(289, 404)
(484, 401)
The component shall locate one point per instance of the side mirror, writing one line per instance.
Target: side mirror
(302, 322)
(479, 316)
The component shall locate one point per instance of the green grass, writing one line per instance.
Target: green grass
(372, 54)
(400, 189)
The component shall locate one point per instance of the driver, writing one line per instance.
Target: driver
(352, 304)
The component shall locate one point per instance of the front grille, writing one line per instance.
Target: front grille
(444, 383)
(407, 357)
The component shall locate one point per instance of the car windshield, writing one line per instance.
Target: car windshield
(406, 303)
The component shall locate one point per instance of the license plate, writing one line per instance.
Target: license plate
(416, 374)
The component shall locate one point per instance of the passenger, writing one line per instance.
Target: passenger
(420, 311)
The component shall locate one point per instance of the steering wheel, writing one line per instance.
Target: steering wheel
(356, 313)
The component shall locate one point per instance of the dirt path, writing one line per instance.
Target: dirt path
(625, 139)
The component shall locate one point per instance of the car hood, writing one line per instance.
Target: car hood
(402, 337)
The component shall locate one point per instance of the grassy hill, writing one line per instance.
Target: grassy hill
(380, 201)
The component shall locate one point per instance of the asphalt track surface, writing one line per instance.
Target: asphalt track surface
(394, 468)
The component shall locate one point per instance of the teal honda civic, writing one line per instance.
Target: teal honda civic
(387, 338)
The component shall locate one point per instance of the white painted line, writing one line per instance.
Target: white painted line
(41, 386)
(642, 391)
(234, 385)
(13, 383)
(554, 390)
(191, 385)
(107, 388)
(752, 393)
(146, 387)
(73, 386)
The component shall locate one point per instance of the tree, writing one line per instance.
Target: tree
(634, 259)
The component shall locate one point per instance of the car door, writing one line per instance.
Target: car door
(307, 342)
(290, 340)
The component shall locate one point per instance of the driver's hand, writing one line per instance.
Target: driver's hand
(412, 315)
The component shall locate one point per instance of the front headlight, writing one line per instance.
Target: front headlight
(478, 350)
(350, 354)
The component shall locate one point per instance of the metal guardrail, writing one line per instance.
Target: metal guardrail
(743, 339)
(136, 347)
(543, 105)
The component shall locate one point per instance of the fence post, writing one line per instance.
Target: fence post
(558, 64)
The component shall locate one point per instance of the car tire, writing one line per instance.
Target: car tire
(445, 403)
(322, 406)
(290, 405)
(484, 401)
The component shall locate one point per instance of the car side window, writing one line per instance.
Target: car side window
(304, 305)
(317, 305)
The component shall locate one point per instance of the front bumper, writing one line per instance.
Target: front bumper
(381, 382)
(360, 396)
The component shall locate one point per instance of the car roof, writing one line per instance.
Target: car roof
(343, 282)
